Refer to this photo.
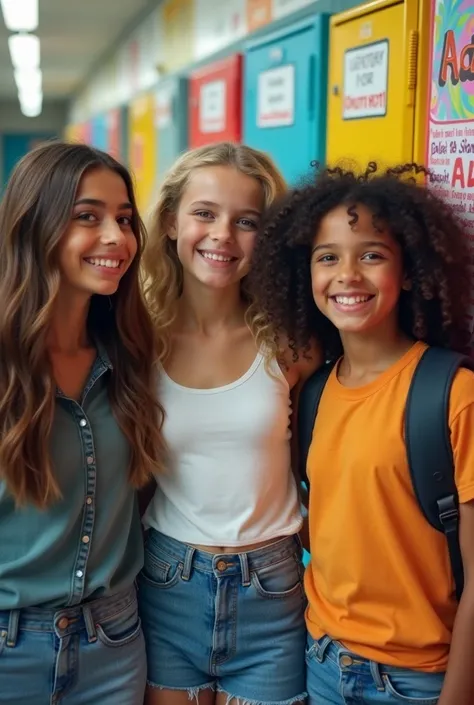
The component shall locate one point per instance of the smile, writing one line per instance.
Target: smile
(215, 257)
(352, 300)
(107, 263)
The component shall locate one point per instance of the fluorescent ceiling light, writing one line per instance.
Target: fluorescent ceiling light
(24, 51)
(28, 80)
(20, 15)
(31, 110)
(31, 104)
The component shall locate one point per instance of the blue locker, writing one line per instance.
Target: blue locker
(171, 109)
(99, 132)
(285, 87)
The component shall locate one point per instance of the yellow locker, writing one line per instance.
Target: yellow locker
(378, 75)
(143, 148)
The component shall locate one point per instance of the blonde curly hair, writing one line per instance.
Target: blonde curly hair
(162, 268)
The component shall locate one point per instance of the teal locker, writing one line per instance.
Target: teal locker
(171, 120)
(285, 86)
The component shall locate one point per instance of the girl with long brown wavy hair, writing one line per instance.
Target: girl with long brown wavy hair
(221, 592)
(79, 430)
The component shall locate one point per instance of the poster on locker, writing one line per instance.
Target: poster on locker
(450, 129)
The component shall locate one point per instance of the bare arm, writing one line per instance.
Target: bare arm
(458, 687)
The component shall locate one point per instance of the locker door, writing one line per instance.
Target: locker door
(372, 83)
(171, 123)
(285, 96)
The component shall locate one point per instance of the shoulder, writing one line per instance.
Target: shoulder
(299, 370)
(462, 393)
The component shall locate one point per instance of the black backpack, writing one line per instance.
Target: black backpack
(427, 438)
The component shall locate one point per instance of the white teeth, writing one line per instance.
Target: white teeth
(112, 263)
(351, 300)
(218, 258)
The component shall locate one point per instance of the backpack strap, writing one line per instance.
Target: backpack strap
(428, 443)
(308, 404)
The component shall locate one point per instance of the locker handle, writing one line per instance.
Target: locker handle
(311, 87)
(412, 67)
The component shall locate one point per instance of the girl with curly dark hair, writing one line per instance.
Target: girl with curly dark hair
(375, 265)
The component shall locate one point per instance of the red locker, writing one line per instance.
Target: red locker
(215, 102)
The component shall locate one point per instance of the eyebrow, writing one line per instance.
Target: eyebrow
(211, 204)
(366, 243)
(101, 204)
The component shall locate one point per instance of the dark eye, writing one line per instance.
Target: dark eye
(372, 256)
(327, 259)
(87, 217)
(125, 220)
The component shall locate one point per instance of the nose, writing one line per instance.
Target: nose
(222, 232)
(348, 271)
(111, 233)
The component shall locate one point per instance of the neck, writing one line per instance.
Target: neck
(205, 310)
(68, 330)
(373, 351)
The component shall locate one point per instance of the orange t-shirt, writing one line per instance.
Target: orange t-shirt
(379, 579)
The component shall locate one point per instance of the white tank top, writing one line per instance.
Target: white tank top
(229, 480)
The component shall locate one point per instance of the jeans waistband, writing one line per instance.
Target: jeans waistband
(65, 620)
(218, 563)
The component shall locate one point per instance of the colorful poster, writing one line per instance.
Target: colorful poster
(114, 134)
(450, 133)
(178, 32)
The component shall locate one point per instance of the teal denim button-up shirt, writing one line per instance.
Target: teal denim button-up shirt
(88, 544)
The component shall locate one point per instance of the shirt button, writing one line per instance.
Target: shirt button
(79, 573)
(82, 423)
(90, 459)
(63, 623)
(89, 500)
(85, 539)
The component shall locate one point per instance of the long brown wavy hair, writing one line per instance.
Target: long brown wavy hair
(35, 212)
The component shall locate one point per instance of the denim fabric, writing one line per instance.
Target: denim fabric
(336, 676)
(85, 655)
(231, 622)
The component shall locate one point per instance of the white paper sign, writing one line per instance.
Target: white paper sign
(366, 81)
(212, 107)
(276, 97)
(163, 107)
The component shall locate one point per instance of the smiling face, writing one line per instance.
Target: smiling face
(216, 224)
(356, 272)
(99, 244)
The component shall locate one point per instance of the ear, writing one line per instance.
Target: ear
(170, 226)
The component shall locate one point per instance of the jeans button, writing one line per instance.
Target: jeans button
(346, 661)
(221, 566)
(63, 623)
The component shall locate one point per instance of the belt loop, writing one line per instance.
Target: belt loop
(90, 625)
(188, 563)
(376, 675)
(13, 622)
(322, 647)
(244, 566)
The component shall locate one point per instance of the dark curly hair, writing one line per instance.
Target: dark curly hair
(426, 227)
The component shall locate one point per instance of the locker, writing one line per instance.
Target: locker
(378, 73)
(99, 132)
(285, 90)
(171, 122)
(215, 103)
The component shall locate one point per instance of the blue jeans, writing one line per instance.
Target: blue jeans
(229, 622)
(336, 676)
(85, 655)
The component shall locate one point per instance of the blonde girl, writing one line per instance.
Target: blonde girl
(221, 594)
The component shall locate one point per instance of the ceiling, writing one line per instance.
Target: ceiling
(74, 34)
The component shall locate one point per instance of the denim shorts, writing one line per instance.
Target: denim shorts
(336, 676)
(85, 655)
(230, 622)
